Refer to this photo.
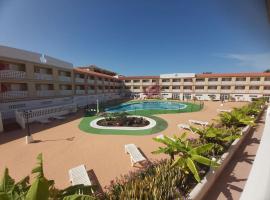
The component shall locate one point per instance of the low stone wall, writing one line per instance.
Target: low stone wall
(201, 189)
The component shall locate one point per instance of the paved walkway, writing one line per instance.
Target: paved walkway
(232, 182)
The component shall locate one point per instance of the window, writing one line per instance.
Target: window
(254, 87)
(187, 87)
(225, 87)
(127, 81)
(136, 87)
(212, 79)
(267, 78)
(240, 79)
(176, 87)
(165, 87)
(176, 80)
(266, 87)
(239, 87)
(146, 81)
(212, 87)
(199, 87)
(136, 81)
(255, 79)
(188, 80)
(199, 79)
(165, 80)
(226, 79)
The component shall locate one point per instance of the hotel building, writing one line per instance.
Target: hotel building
(31, 80)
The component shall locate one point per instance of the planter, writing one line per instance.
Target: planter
(152, 124)
(201, 189)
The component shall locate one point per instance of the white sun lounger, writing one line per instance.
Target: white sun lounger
(161, 136)
(78, 175)
(135, 154)
(202, 123)
(58, 117)
(184, 126)
(223, 110)
(43, 121)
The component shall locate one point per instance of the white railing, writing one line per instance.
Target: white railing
(225, 91)
(65, 92)
(91, 92)
(147, 83)
(200, 90)
(258, 183)
(240, 91)
(165, 83)
(91, 81)
(43, 113)
(176, 90)
(200, 83)
(45, 93)
(9, 74)
(188, 83)
(176, 83)
(241, 82)
(227, 82)
(213, 90)
(13, 94)
(79, 80)
(254, 91)
(41, 76)
(80, 92)
(256, 82)
(136, 83)
(213, 83)
(65, 78)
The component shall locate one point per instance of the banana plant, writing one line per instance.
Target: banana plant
(219, 137)
(187, 155)
(235, 118)
(41, 188)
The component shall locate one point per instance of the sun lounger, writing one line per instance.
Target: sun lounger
(161, 136)
(184, 126)
(202, 123)
(223, 110)
(58, 117)
(135, 154)
(78, 175)
(43, 121)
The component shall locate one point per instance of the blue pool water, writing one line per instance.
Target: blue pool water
(147, 106)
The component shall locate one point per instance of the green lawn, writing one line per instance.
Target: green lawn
(85, 126)
(161, 124)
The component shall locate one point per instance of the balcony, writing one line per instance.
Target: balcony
(40, 76)
(127, 83)
(80, 92)
(165, 90)
(213, 82)
(200, 83)
(199, 90)
(99, 82)
(256, 82)
(165, 83)
(176, 83)
(91, 91)
(213, 90)
(241, 82)
(79, 80)
(45, 93)
(65, 92)
(147, 83)
(106, 83)
(99, 91)
(65, 78)
(136, 90)
(12, 74)
(176, 90)
(188, 83)
(227, 83)
(91, 81)
(188, 90)
(136, 83)
(225, 91)
(240, 91)
(13, 94)
(254, 91)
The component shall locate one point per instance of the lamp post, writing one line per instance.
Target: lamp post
(29, 138)
(97, 106)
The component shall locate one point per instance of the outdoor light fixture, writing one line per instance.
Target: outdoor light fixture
(29, 138)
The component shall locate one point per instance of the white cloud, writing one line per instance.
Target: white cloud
(259, 61)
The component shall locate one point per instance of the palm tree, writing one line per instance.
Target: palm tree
(187, 155)
(235, 118)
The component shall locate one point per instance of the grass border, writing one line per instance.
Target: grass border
(85, 126)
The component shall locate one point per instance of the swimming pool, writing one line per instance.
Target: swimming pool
(151, 105)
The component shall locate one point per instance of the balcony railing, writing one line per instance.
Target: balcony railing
(176, 83)
(240, 91)
(91, 81)
(41, 76)
(256, 82)
(188, 90)
(176, 90)
(100, 82)
(213, 82)
(213, 90)
(9, 74)
(65, 78)
(147, 83)
(241, 82)
(225, 91)
(188, 83)
(199, 90)
(13, 94)
(227, 82)
(254, 91)
(45, 93)
(91, 91)
(200, 83)
(165, 83)
(136, 90)
(65, 92)
(79, 80)
(80, 92)
(136, 83)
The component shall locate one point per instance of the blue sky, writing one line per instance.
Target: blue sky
(143, 37)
